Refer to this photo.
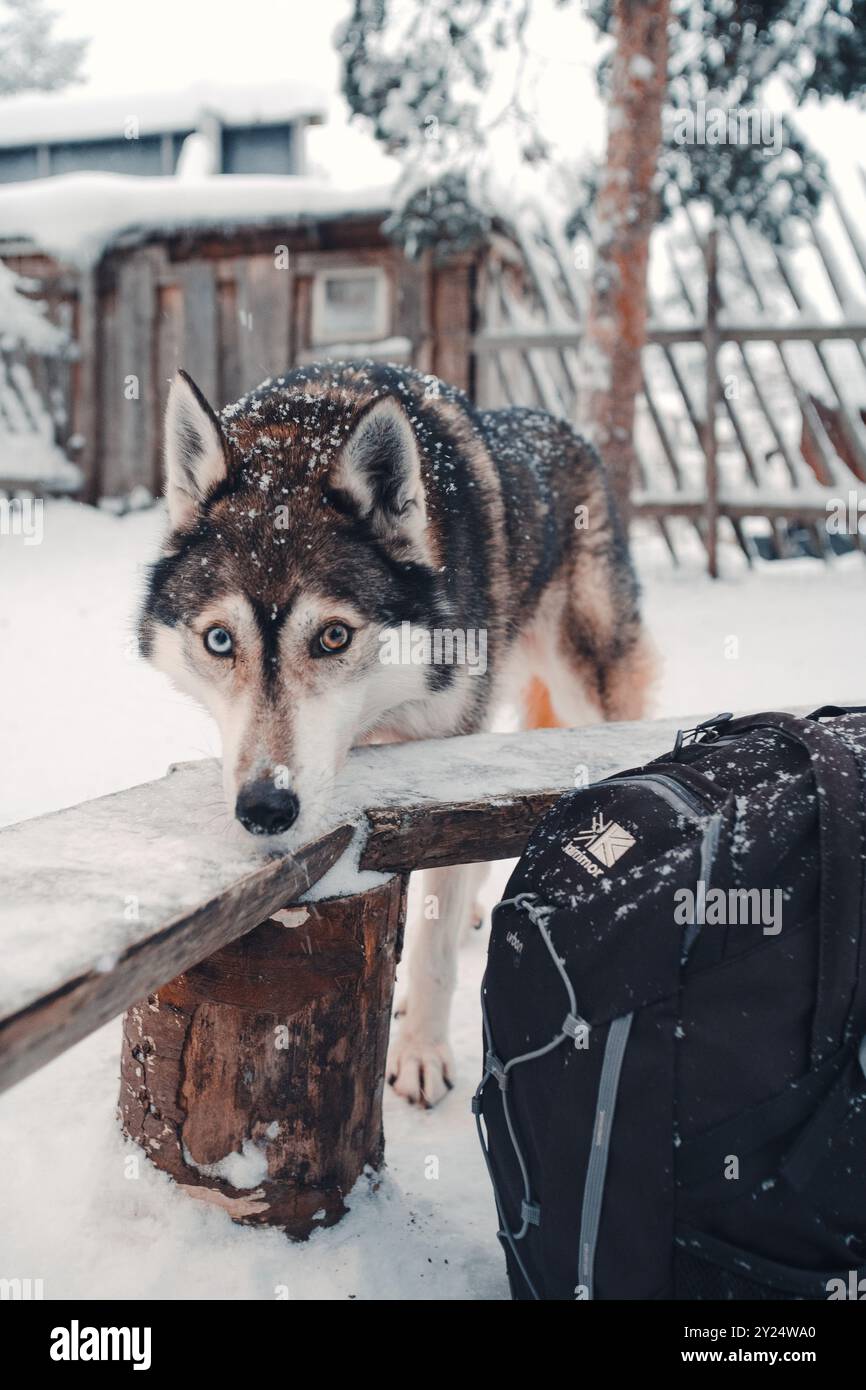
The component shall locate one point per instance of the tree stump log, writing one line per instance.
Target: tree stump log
(255, 1079)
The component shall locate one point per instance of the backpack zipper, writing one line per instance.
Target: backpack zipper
(667, 787)
(594, 1183)
(674, 794)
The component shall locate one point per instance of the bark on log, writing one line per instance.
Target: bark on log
(255, 1079)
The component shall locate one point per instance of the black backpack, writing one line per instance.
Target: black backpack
(674, 1094)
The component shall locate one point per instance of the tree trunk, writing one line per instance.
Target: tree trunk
(255, 1079)
(625, 214)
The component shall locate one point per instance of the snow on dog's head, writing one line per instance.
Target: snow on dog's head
(298, 534)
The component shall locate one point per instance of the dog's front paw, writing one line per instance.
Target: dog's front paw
(419, 1068)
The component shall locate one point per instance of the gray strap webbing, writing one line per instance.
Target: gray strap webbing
(574, 1028)
(709, 849)
(593, 1190)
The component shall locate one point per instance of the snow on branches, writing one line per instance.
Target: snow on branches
(22, 320)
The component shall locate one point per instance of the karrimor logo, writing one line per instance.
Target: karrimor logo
(76, 1343)
(606, 841)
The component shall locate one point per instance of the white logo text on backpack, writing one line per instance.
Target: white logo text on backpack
(606, 841)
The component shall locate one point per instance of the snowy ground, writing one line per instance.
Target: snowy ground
(80, 716)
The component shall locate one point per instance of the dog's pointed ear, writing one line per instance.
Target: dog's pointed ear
(378, 473)
(196, 458)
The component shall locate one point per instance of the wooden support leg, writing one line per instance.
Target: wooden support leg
(255, 1079)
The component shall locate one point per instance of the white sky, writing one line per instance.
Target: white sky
(168, 44)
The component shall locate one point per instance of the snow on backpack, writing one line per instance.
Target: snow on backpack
(674, 1094)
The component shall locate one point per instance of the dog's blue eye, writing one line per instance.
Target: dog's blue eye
(218, 641)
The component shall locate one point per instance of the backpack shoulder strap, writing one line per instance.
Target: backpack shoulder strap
(839, 787)
(833, 711)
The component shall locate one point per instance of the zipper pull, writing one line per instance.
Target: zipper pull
(705, 732)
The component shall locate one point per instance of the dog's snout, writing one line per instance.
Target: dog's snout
(264, 809)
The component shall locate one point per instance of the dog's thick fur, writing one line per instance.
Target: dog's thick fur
(370, 496)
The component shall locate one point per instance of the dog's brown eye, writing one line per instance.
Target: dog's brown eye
(335, 637)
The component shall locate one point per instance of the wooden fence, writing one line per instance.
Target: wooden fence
(783, 436)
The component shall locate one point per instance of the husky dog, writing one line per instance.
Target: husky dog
(340, 504)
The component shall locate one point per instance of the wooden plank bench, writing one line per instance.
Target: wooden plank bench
(254, 1047)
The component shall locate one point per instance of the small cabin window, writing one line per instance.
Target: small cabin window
(350, 305)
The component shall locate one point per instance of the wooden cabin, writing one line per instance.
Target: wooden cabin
(233, 305)
(238, 279)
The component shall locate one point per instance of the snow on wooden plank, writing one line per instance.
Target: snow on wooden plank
(104, 902)
(60, 983)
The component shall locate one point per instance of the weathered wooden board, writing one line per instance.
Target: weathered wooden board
(201, 326)
(84, 404)
(231, 384)
(135, 402)
(264, 319)
(796, 330)
(108, 380)
(169, 348)
(104, 902)
(69, 1001)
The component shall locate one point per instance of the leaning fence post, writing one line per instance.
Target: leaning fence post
(711, 352)
(255, 1079)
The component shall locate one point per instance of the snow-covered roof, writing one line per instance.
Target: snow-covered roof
(64, 117)
(76, 216)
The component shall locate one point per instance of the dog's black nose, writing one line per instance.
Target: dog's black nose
(264, 809)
